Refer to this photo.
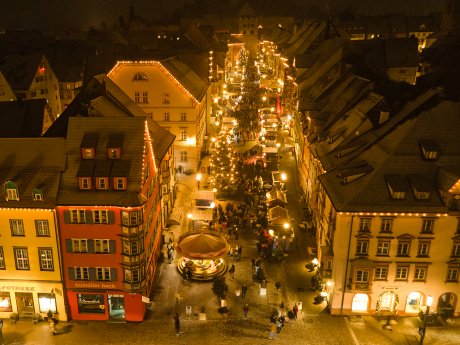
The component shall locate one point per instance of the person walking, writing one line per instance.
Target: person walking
(295, 310)
(177, 323)
(277, 287)
(246, 310)
(244, 289)
(232, 272)
(273, 330)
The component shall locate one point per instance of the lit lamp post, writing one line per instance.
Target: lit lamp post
(198, 179)
(422, 328)
(189, 216)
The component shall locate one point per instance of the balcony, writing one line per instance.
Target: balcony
(360, 287)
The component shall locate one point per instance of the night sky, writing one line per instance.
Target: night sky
(85, 13)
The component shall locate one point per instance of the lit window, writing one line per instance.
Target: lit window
(11, 191)
(46, 259)
(100, 217)
(119, 183)
(17, 227)
(113, 153)
(21, 256)
(85, 182)
(42, 227)
(102, 183)
(88, 153)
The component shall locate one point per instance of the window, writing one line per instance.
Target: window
(103, 273)
(79, 245)
(101, 246)
(21, 256)
(183, 156)
(145, 97)
(45, 255)
(42, 227)
(137, 97)
(423, 249)
(183, 116)
(403, 248)
(5, 302)
(383, 248)
(100, 217)
(452, 274)
(113, 153)
(139, 76)
(456, 249)
(11, 191)
(85, 182)
(166, 117)
(427, 226)
(365, 224)
(362, 276)
(37, 195)
(88, 153)
(47, 301)
(91, 304)
(166, 99)
(183, 134)
(402, 272)
(381, 273)
(81, 273)
(119, 183)
(132, 218)
(77, 216)
(17, 227)
(361, 247)
(133, 275)
(420, 272)
(2, 260)
(386, 225)
(133, 247)
(102, 183)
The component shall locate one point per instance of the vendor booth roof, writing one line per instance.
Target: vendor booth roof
(202, 214)
(202, 245)
(276, 197)
(278, 215)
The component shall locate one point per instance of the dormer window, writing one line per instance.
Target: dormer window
(353, 171)
(102, 173)
(430, 149)
(37, 194)
(88, 145)
(119, 174)
(420, 187)
(397, 186)
(119, 183)
(11, 191)
(85, 174)
(114, 145)
(102, 183)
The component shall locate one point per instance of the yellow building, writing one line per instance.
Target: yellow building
(174, 96)
(31, 273)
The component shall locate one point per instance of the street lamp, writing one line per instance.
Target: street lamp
(422, 328)
(189, 216)
(198, 179)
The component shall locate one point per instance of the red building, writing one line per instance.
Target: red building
(109, 217)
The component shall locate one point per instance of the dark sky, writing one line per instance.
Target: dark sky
(85, 13)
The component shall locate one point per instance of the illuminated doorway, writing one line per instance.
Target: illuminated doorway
(413, 302)
(360, 303)
(116, 306)
(25, 303)
(387, 303)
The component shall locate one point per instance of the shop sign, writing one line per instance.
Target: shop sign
(17, 288)
(95, 285)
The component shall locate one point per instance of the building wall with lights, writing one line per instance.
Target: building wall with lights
(110, 232)
(183, 108)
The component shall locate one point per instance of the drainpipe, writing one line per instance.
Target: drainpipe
(346, 266)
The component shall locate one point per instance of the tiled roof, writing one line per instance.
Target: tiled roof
(401, 52)
(20, 70)
(398, 154)
(22, 119)
(34, 163)
(130, 163)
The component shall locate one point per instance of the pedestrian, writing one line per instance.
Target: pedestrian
(240, 249)
(253, 263)
(277, 286)
(295, 310)
(169, 256)
(244, 289)
(246, 310)
(232, 272)
(177, 323)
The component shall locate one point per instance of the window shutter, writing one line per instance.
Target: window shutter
(112, 246)
(90, 246)
(89, 217)
(113, 274)
(71, 271)
(92, 273)
(111, 217)
(67, 217)
(68, 244)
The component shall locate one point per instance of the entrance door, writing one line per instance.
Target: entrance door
(116, 306)
(25, 303)
(387, 302)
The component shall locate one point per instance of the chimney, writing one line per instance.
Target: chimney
(384, 116)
